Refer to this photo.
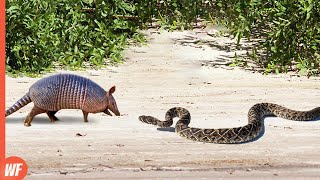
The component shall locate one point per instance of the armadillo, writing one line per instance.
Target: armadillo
(66, 91)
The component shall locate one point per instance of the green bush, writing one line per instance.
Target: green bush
(171, 14)
(290, 31)
(70, 32)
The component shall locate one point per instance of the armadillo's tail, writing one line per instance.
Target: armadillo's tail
(19, 104)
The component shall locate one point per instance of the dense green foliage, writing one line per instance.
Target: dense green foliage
(171, 14)
(72, 32)
(290, 31)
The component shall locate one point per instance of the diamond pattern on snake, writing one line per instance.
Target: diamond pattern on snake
(241, 134)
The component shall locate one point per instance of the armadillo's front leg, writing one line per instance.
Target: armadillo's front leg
(85, 116)
(52, 116)
(35, 111)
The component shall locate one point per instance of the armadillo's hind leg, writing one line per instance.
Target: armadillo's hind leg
(35, 111)
(52, 116)
(85, 116)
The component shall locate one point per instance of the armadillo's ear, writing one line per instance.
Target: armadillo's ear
(112, 90)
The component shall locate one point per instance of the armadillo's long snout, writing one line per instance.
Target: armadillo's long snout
(117, 113)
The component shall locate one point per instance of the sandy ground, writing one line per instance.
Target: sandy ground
(167, 73)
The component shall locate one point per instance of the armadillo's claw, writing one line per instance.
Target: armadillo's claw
(27, 124)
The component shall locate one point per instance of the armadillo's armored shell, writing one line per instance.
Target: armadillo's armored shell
(67, 91)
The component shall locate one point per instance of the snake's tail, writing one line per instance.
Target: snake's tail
(302, 115)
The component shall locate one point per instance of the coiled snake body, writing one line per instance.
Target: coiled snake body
(230, 135)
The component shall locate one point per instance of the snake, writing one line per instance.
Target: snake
(234, 135)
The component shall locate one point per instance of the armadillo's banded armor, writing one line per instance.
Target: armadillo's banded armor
(67, 91)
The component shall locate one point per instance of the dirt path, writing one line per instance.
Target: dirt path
(155, 78)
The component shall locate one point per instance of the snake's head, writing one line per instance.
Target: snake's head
(145, 119)
(142, 118)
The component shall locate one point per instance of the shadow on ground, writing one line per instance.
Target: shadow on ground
(45, 120)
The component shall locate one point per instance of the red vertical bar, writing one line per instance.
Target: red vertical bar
(2, 78)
